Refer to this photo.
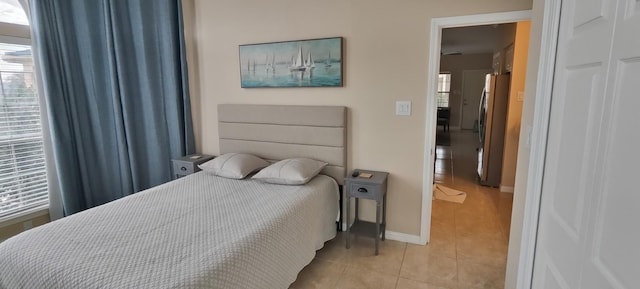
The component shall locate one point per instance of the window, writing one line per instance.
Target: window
(444, 88)
(23, 178)
(11, 12)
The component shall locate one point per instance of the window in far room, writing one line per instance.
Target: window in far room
(23, 177)
(444, 88)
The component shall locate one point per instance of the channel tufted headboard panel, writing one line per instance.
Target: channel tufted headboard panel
(276, 132)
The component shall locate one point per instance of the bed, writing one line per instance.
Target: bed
(200, 231)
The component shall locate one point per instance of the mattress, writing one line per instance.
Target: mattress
(199, 231)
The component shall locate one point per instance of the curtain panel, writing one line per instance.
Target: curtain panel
(115, 81)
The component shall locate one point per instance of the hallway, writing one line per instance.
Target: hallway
(479, 227)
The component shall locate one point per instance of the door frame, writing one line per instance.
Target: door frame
(537, 140)
(535, 136)
(437, 24)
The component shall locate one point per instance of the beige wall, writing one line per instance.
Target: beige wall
(456, 64)
(514, 114)
(386, 59)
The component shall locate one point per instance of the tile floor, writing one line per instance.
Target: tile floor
(468, 247)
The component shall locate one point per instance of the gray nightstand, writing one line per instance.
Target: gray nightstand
(188, 164)
(374, 188)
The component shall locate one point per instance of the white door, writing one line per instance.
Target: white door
(589, 232)
(472, 84)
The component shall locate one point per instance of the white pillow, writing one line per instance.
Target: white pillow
(296, 171)
(233, 165)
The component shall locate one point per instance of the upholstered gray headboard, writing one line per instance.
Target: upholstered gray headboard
(276, 132)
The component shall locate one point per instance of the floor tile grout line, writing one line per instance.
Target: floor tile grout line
(455, 242)
(340, 276)
(455, 218)
(397, 279)
(404, 253)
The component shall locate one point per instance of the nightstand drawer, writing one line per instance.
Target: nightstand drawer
(365, 191)
(184, 168)
(187, 165)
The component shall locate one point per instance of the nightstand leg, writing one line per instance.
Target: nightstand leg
(355, 217)
(384, 215)
(377, 226)
(347, 220)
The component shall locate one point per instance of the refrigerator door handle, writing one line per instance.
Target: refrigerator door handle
(480, 115)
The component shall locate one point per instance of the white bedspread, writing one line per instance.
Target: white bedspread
(200, 231)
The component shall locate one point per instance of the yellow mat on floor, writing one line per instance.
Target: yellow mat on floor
(444, 193)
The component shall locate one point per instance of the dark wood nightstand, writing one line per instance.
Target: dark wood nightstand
(188, 164)
(373, 188)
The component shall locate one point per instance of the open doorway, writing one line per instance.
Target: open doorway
(475, 158)
(480, 88)
(479, 227)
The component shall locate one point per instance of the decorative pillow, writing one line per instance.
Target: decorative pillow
(296, 171)
(233, 165)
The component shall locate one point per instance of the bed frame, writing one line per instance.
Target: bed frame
(277, 132)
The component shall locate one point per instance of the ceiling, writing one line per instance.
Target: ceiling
(476, 39)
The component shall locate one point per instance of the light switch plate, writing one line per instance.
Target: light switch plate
(529, 132)
(403, 108)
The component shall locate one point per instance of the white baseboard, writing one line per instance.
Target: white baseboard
(395, 236)
(402, 237)
(506, 189)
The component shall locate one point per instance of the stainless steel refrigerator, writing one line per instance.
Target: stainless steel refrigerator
(491, 128)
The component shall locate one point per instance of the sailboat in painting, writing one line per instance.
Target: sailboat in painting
(298, 62)
(267, 64)
(309, 64)
(251, 65)
(273, 63)
(327, 63)
(270, 64)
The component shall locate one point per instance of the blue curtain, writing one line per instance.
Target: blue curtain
(115, 82)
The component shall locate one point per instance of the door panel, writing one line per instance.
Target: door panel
(620, 199)
(574, 127)
(588, 234)
(633, 8)
(552, 281)
(615, 254)
(587, 11)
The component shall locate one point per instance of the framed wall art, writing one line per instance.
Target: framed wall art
(300, 63)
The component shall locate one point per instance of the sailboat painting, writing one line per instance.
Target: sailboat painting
(301, 63)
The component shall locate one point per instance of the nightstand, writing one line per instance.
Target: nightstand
(188, 164)
(373, 188)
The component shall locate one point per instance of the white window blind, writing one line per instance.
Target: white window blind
(23, 180)
(444, 88)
